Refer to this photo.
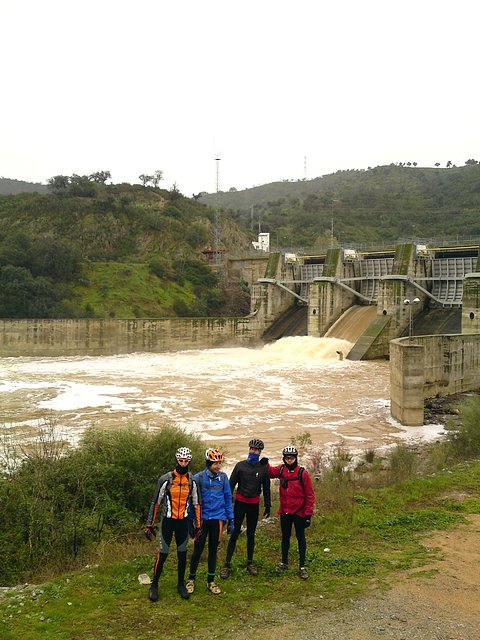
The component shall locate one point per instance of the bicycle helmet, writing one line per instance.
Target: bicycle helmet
(290, 451)
(256, 443)
(184, 453)
(213, 455)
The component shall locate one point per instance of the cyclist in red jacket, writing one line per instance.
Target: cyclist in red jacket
(297, 500)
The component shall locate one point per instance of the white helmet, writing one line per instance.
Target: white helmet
(290, 451)
(184, 453)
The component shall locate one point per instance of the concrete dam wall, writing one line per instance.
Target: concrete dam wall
(110, 337)
(430, 365)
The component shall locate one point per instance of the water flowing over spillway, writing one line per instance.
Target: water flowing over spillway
(225, 395)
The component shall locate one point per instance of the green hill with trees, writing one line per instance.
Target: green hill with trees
(87, 249)
(381, 204)
(90, 249)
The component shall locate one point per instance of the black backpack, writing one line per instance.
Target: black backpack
(300, 475)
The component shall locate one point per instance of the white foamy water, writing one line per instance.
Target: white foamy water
(225, 395)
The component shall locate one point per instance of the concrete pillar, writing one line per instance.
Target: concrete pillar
(397, 287)
(407, 379)
(471, 303)
(321, 308)
(326, 300)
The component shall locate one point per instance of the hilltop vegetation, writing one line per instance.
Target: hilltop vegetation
(93, 250)
(380, 205)
(88, 249)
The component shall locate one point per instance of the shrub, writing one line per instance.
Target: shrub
(403, 463)
(302, 441)
(160, 267)
(339, 459)
(465, 440)
(198, 273)
(69, 502)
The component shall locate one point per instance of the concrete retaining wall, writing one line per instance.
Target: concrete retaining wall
(429, 365)
(109, 337)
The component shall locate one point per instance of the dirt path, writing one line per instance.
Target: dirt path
(439, 602)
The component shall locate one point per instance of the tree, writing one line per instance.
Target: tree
(449, 164)
(437, 164)
(81, 186)
(145, 179)
(23, 296)
(157, 177)
(175, 192)
(471, 161)
(100, 177)
(54, 258)
(15, 250)
(57, 183)
(197, 234)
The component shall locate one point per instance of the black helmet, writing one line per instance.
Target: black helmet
(256, 443)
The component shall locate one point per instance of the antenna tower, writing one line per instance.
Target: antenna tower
(216, 225)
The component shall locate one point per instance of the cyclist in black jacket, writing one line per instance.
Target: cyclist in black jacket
(250, 477)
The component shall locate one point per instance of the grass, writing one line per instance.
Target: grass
(112, 287)
(351, 549)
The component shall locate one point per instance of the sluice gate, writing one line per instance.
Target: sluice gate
(447, 275)
(430, 278)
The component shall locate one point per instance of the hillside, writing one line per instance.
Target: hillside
(382, 204)
(11, 187)
(87, 249)
(111, 251)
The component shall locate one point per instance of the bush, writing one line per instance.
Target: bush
(403, 463)
(54, 506)
(196, 272)
(465, 440)
(160, 267)
(23, 296)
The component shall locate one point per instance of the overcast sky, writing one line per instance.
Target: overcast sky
(280, 90)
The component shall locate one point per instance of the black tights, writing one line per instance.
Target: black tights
(286, 522)
(213, 530)
(168, 528)
(240, 510)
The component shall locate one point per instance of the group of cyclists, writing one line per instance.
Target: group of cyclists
(200, 506)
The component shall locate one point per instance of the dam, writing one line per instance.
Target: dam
(374, 295)
(417, 301)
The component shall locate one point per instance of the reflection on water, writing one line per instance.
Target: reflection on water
(225, 395)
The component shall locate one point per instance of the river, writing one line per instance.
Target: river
(227, 396)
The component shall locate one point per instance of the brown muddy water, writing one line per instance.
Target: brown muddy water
(227, 396)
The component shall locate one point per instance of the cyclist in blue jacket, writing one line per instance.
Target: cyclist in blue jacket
(216, 512)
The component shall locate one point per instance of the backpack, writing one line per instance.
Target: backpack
(300, 475)
(200, 480)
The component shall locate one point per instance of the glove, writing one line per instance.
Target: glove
(307, 521)
(230, 527)
(266, 513)
(150, 533)
(263, 461)
(197, 533)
